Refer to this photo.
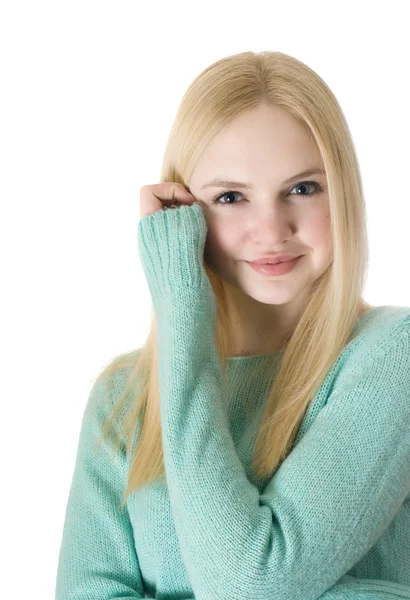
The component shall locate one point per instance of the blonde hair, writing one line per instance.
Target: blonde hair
(219, 94)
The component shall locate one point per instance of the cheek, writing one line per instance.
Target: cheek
(221, 242)
(318, 231)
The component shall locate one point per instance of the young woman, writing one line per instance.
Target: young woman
(262, 433)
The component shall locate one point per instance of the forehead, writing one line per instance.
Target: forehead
(256, 144)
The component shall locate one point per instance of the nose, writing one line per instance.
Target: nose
(271, 226)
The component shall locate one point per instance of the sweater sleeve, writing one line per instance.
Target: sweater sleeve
(97, 557)
(331, 498)
(353, 588)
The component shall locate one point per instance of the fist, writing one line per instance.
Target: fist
(160, 196)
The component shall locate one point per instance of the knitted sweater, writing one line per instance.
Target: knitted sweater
(334, 520)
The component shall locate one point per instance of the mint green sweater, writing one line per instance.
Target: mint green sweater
(334, 520)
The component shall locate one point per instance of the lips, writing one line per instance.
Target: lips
(279, 268)
(273, 261)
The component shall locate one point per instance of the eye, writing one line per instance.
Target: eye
(316, 186)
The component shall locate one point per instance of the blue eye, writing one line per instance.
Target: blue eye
(318, 188)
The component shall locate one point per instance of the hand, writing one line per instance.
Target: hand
(163, 195)
(184, 244)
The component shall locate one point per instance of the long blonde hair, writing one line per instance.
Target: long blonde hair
(219, 94)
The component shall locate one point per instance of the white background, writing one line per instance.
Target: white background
(89, 91)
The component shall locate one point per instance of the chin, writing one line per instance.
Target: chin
(270, 297)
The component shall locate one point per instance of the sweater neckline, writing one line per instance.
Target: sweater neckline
(249, 357)
(245, 358)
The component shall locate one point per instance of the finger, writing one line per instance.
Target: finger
(163, 195)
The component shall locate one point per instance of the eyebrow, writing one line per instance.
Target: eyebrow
(247, 186)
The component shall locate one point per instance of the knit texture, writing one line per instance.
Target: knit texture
(334, 520)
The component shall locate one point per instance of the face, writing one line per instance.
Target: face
(263, 148)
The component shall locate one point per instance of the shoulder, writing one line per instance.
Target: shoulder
(115, 378)
(381, 336)
(386, 318)
(379, 329)
(110, 387)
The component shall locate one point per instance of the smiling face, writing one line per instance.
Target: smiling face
(264, 148)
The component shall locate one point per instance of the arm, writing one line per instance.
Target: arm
(353, 588)
(290, 542)
(97, 557)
